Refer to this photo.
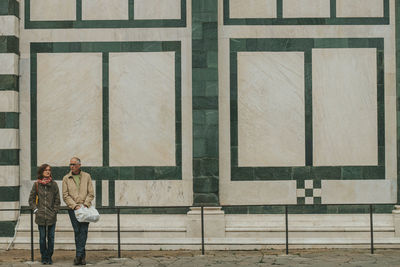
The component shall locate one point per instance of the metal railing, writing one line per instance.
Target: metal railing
(118, 213)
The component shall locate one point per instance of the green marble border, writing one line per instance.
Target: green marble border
(205, 102)
(307, 172)
(9, 193)
(9, 82)
(131, 22)
(9, 120)
(9, 157)
(7, 228)
(9, 7)
(9, 44)
(106, 172)
(332, 20)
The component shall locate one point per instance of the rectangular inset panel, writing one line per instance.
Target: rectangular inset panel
(142, 109)
(345, 107)
(104, 9)
(52, 10)
(151, 193)
(350, 191)
(252, 8)
(8, 101)
(258, 193)
(104, 193)
(9, 63)
(69, 108)
(271, 124)
(9, 139)
(359, 8)
(157, 9)
(306, 8)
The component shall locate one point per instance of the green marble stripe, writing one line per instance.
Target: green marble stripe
(105, 107)
(309, 172)
(111, 193)
(9, 7)
(9, 82)
(99, 193)
(9, 120)
(332, 20)
(279, 9)
(130, 23)
(9, 157)
(9, 193)
(7, 228)
(9, 44)
(397, 34)
(205, 101)
(309, 209)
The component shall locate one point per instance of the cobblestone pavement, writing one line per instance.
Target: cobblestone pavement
(311, 257)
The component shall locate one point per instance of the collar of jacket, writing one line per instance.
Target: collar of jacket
(70, 174)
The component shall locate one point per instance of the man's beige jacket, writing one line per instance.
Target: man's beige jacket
(70, 192)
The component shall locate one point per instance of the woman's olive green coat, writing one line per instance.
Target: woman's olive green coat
(48, 203)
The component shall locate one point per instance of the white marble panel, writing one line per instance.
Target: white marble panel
(105, 10)
(69, 108)
(358, 191)
(151, 193)
(9, 25)
(271, 109)
(9, 175)
(142, 109)
(9, 139)
(53, 10)
(344, 107)
(8, 101)
(252, 8)
(104, 193)
(258, 193)
(9, 215)
(9, 63)
(359, 8)
(157, 9)
(306, 9)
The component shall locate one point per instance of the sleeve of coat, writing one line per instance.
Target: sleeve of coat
(57, 201)
(66, 197)
(32, 197)
(90, 193)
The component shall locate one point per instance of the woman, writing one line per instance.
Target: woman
(44, 199)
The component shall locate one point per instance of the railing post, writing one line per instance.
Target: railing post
(202, 230)
(119, 233)
(371, 229)
(287, 230)
(32, 255)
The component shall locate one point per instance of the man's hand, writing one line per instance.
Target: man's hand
(77, 207)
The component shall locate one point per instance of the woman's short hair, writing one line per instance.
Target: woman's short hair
(41, 170)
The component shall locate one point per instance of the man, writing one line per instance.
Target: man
(77, 190)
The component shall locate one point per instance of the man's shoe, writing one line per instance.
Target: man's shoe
(83, 261)
(77, 261)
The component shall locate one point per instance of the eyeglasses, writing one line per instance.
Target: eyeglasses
(73, 164)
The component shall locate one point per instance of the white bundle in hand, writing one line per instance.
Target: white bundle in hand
(87, 214)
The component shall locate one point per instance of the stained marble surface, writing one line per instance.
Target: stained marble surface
(53, 10)
(142, 109)
(105, 9)
(252, 9)
(9, 139)
(344, 107)
(8, 101)
(351, 191)
(69, 108)
(9, 63)
(104, 193)
(157, 9)
(359, 8)
(306, 8)
(152, 193)
(271, 109)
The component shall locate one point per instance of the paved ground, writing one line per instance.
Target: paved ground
(312, 257)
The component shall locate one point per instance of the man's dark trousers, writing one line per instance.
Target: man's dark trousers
(80, 232)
